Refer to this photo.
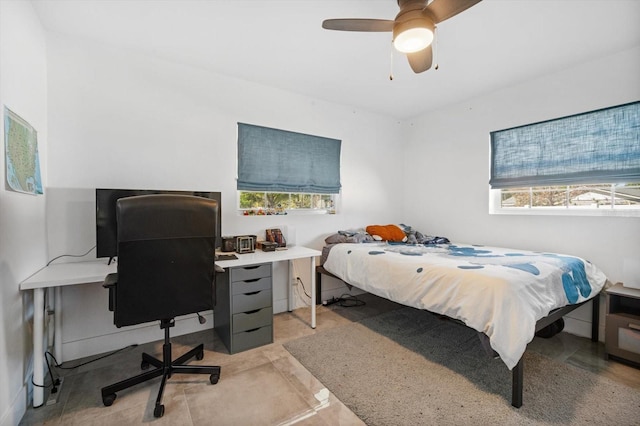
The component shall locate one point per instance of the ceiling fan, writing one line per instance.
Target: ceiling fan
(412, 28)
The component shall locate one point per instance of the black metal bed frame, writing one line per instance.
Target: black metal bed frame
(517, 380)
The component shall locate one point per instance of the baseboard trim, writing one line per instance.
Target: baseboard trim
(16, 410)
(581, 328)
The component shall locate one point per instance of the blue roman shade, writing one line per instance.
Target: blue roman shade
(281, 161)
(600, 146)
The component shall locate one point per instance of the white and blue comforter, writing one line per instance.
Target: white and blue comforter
(497, 291)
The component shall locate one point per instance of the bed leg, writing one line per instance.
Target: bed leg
(595, 318)
(516, 384)
(318, 286)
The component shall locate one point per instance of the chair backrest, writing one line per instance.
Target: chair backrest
(166, 251)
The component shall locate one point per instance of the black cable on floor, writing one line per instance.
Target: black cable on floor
(90, 361)
(39, 386)
(56, 382)
(349, 301)
(346, 300)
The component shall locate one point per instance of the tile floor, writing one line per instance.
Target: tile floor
(262, 386)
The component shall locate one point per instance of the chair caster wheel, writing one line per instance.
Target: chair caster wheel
(107, 400)
(200, 355)
(214, 378)
(144, 365)
(158, 411)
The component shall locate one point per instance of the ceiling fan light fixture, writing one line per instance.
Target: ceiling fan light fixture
(413, 36)
(413, 40)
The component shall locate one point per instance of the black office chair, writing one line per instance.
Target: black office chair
(166, 249)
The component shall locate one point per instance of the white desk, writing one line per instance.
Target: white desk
(58, 275)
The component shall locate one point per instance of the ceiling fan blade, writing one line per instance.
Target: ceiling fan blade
(445, 9)
(368, 25)
(421, 60)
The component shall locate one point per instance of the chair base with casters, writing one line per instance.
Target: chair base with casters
(164, 367)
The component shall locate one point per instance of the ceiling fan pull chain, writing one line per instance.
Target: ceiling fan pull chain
(435, 36)
(391, 62)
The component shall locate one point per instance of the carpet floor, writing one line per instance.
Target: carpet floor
(409, 367)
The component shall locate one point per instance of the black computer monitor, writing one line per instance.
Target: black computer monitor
(106, 226)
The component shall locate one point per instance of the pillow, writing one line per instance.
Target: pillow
(359, 236)
(386, 233)
(335, 238)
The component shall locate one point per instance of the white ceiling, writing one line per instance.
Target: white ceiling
(280, 43)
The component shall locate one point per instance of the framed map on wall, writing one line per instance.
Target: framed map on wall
(21, 155)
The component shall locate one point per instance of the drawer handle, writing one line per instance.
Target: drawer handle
(252, 312)
(252, 281)
(251, 267)
(252, 330)
(252, 293)
(635, 327)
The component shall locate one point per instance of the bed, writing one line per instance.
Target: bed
(504, 294)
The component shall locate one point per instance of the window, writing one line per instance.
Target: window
(575, 197)
(586, 162)
(280, 171)
(280, 202)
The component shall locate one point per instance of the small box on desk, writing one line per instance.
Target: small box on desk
(267, 246)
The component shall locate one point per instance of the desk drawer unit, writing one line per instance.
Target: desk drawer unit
(243, 314)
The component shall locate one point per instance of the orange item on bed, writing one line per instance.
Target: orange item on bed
(386, 232)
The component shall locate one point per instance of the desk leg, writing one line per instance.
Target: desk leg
(38, 349)
(57, 319)
(312, 261)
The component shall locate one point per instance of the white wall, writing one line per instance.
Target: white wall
(23, 74)
(119, 119)
(450, 196)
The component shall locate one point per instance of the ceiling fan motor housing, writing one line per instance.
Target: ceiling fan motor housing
(413, 15)
(412, 20)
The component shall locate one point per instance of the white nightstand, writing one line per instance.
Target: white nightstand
(622, 336)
